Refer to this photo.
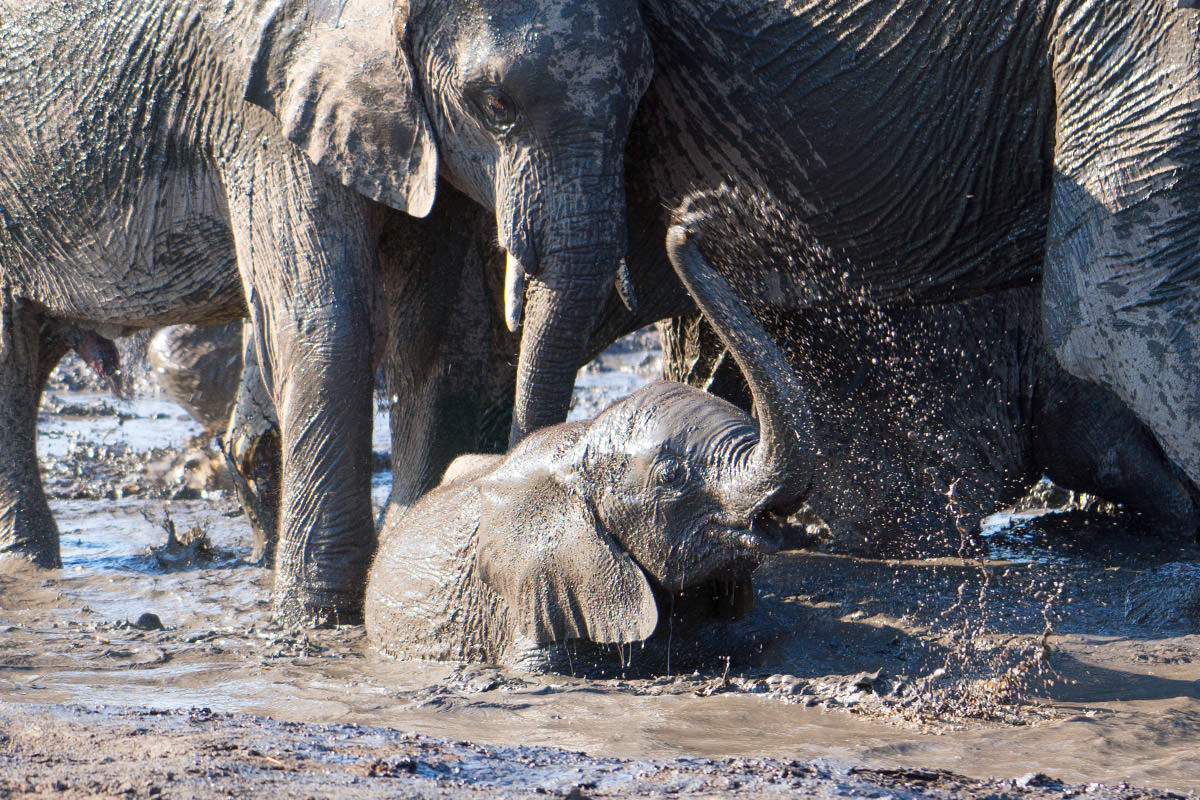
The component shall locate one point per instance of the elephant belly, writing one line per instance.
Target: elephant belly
(110, 211)
(159, 253)
(906, 136)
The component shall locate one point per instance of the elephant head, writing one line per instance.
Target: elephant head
(670, 484)
(524, 105)
(585, 522)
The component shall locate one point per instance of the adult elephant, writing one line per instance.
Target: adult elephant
(944, 152)
(926, 417)
(162, 160)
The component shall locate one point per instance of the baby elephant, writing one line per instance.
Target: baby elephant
(590, 530)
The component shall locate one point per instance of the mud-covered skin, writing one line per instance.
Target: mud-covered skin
(584, 527)
(163, 160)
(143, 211)
(518, 552)
(200, 368)
(449, 370)
(927, 418)
(942, 151)
(546, 151)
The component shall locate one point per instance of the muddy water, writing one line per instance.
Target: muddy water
(881, 663)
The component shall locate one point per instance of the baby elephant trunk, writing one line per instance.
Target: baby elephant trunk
(777, 475)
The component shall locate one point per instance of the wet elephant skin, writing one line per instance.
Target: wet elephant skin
(946, 151)
(927, 417)
(934, 149)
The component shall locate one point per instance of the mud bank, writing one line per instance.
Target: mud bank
(72, 752)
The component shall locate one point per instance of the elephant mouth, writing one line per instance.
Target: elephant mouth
(721, 555)
(761, 538)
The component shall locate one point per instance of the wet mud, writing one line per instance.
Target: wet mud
(198, 753)
(1071, 650)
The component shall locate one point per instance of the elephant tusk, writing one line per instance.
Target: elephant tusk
(514, 293)
(625, 290)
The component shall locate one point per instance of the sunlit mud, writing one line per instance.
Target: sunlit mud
(1020, 662)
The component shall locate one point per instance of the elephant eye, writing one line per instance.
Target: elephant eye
(496, 109)
(669, 472)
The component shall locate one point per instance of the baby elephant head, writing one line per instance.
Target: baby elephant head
(669, 472)
(584, 524)
(584, 529)
(670, 489)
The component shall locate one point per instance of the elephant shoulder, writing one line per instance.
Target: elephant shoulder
(446, 515)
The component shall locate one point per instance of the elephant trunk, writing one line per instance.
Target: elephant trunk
(562, 287)
(778, 472)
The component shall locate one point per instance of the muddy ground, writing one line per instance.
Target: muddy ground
(1072, 650)
(197, 753)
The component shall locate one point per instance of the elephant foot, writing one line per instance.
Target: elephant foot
(30, 554)
(299, 608)
(29, 537)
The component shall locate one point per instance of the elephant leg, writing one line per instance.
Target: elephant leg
(252, 449)
(306, 250)
(212, 371)
(1087, 440)
(693, 354)
(27, 355)
(198, 365)
(449, 363)
(1122, 272)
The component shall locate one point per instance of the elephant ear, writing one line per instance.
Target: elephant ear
(345, 93)
(561, 575)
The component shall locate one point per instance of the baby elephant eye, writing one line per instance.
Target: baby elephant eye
(669, 472)
(496, 109)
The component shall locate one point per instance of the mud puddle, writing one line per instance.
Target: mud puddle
(943, 665)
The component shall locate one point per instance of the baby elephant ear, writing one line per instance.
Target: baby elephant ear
(561, 575)
(344, 93)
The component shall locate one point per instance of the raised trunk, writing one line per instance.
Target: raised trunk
(779, 471)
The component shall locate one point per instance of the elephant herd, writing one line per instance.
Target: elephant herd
(938, 249)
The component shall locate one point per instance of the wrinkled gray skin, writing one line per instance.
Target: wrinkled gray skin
(200, 367)
(942, 150)
(926, 418)
(945, 150)
(162, 160)
(584, 529)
